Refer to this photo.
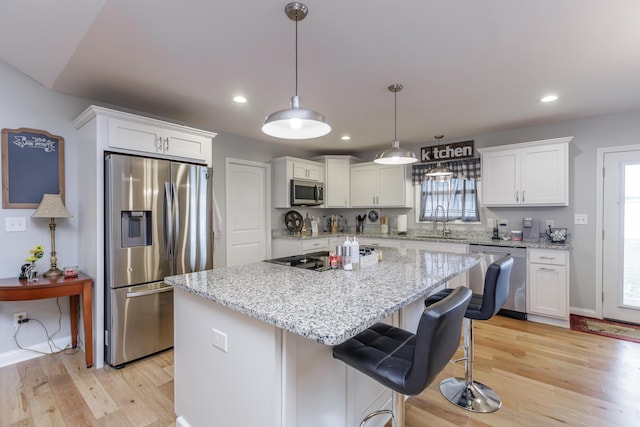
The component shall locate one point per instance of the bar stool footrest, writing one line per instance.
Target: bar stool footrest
(376, 413)
(472, 396)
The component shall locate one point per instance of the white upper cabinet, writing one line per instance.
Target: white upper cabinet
(337, 179)
(129, 133)
(303, 169)
(287, 168)
(527, 174)
(374, 185)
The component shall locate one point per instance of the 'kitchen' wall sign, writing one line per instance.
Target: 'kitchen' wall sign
(447, 152)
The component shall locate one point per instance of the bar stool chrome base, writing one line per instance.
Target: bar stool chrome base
(472, 396)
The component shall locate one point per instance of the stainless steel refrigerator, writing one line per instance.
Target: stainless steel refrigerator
(157, 224)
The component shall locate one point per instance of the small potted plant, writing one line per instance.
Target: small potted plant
(30, 271)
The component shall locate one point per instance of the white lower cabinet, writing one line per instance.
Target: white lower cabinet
(371, 241)
(548, 286)
(288, 247)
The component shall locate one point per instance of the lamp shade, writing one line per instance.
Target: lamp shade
(51, 206)
(296, 123)
(396, 156)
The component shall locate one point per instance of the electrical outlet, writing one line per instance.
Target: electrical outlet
(490, 222)
(18, 317)
(581, 219)
(550, 223)
(219, 339)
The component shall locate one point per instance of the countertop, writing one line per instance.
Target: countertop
(330, 306)
(461, 237)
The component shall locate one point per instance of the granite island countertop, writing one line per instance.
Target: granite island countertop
(329, 306)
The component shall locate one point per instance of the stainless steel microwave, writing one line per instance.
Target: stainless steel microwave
(306, 193)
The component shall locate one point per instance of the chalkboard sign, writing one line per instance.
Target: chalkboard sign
(32, 165)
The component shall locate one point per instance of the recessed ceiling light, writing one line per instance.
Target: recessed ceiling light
(345, 138)
(548, 98)
(240, 99)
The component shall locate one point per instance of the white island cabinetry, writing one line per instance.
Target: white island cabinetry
(261, 335)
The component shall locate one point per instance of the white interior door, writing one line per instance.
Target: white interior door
(248, 197)
(621, 241)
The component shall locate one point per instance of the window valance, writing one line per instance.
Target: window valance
(462, 169)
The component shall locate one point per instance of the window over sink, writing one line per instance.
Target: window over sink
(453, 200)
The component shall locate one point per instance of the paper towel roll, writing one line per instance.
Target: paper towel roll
(402, 223)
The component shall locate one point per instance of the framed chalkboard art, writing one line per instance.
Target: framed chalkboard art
(32, 165)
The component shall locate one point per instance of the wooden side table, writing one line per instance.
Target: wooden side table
(15, 289)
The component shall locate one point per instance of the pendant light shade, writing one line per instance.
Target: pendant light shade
(395, 155)
(439, 173)
(296, 122)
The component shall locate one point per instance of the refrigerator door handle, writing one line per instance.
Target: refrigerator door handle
(176, 218)
(149, 292)
(168, 227)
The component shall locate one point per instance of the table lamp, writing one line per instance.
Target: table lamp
(52, 207)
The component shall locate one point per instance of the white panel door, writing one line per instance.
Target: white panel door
(621, 231)
(247, 213)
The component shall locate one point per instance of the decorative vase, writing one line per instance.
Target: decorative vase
(32, 272)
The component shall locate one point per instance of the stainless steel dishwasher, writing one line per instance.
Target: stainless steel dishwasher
(516, 305)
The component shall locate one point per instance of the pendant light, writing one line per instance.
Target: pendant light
(439, 173)
(395, 155)
(296, 122)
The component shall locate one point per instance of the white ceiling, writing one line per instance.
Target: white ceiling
(467, 66)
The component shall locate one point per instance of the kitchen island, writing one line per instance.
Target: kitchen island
(253, 342)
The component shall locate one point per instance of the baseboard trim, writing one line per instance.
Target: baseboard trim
(181, 422)
(584, 312)
(18, 355)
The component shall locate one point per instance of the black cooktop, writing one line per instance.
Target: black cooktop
(315, 261)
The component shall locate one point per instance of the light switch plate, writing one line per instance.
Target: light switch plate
(15, 223)
(581, 219)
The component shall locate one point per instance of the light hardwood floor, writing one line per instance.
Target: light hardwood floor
(546, 376)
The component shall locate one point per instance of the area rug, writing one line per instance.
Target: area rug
(606, 328)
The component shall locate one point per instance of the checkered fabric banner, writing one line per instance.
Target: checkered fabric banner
(462, 169)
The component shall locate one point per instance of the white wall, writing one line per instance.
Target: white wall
(25, 103)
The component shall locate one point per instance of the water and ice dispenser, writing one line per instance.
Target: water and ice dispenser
(136, 228)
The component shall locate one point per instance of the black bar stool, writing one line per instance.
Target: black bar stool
(402, 361)
(465, 392)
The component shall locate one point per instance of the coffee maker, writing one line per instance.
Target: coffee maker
(530, 230)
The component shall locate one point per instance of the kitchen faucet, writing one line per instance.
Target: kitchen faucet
(434, 214)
